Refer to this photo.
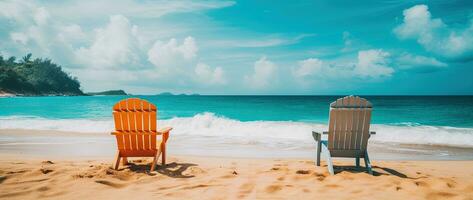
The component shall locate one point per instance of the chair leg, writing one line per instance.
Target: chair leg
(357, 162)
(117, 161)
(163, 151)
(155, 160)
(329, 160)
(368, 164)
(318, 140)
(125, 161)
(319, 149)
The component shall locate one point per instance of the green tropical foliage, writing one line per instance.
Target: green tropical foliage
(36, 77)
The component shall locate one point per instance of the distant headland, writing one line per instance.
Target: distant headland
(35, 77)
(42, 77)
(108, 92)
(171, 94)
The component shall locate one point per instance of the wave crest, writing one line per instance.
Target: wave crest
(273, 133)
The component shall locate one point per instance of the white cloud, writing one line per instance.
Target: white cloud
(309, 67)
(99, 9)
(166, 56)
(370, 64)
(31, 22)
(114, 46)
(19, 37)
(35, 30)
(172, 60)
(373, 63)
(71, 34)
(41, 16)
(19, 11)
(209, 76)
(265, 41)
(97, 52)
(434, 35)
(264, 74)
(419, 63)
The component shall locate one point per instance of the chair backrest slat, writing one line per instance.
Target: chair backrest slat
(354, 127)
(366, 131)
(359, 128)
(132, 121)
(348, 130)
(133, 117)
(147, 138)
(153, 125)
(349, 123)
(138, 113)
(331, 129)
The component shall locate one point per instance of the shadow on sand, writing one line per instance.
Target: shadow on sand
(174, 169)
(377, 171)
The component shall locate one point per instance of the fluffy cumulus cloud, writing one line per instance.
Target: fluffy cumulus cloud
(418, 63)
(434, 35)
(264, 74)
(373, 63)
(370, 64)
(309, 67)
(117, 52)
(314, 68)
(205, 74)
(170, 55)
(33, 29)
(114, 46)
(181, 60)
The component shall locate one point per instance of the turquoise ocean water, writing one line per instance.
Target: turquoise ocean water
(431, 120)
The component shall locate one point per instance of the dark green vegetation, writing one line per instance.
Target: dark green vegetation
(166, 94)
(36, 77)
(109, 92)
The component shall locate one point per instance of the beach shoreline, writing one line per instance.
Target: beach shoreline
(62, 144)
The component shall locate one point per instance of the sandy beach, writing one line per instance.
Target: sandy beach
(228, 178)
(33, 168)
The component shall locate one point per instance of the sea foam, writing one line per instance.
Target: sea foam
(268, 133)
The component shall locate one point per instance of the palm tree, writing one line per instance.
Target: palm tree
(11, 60)
(27, 58)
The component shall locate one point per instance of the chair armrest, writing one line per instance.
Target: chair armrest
(164, 130)
(372, 133)
(134, 133)
(317, 136)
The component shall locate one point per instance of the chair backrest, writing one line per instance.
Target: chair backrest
(349, 124)
(133, 119)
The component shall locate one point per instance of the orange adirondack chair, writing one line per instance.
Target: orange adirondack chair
(136, 133)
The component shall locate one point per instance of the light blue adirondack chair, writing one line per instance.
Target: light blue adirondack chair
(348, 133)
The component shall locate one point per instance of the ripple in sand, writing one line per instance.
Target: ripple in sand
(273, 188)
(302, 171)
(111, 184)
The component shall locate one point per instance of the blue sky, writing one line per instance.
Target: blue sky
(250, 47)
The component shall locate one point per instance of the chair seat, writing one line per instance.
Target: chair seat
(347, 153)
(138, 153)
